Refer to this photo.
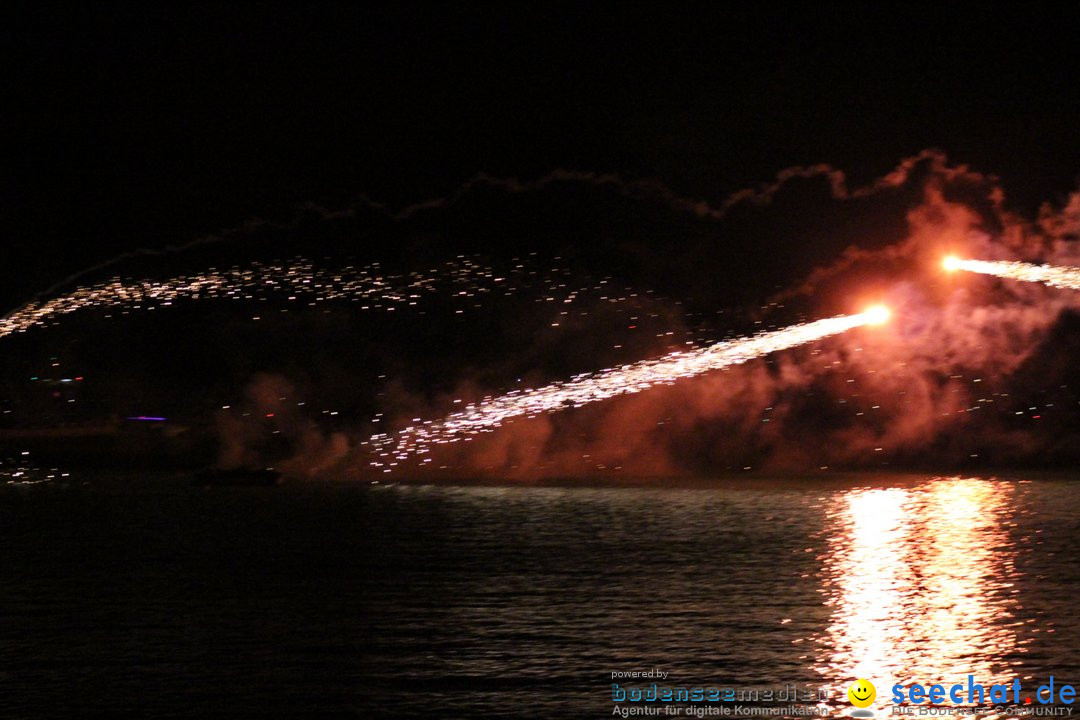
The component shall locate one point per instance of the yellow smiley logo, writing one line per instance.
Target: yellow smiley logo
(861, 693)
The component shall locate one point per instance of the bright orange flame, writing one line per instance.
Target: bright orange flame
(951, 263)
(877, 315)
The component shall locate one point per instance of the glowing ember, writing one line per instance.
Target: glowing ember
(492, 412)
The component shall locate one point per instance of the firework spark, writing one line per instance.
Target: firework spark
(491, 412)
(1057, 276)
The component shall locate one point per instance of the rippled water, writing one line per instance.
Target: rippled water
(153, 597)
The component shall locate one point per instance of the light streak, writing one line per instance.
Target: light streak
(491, 412)
(1057, 276)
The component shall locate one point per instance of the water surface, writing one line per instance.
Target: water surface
(146, 595)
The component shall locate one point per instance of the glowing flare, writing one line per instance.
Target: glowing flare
(951, 263)
(491, 412)
(1057, 276)
(877, 315)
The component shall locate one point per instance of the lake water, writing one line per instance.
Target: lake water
(152, 597)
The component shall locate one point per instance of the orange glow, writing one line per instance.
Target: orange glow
(951, 263)
(877, 315)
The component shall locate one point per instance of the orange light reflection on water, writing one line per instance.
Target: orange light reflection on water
(921, 585)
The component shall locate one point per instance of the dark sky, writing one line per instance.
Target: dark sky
(143, 127)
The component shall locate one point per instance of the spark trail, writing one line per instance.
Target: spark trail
(296, 280)
(463, 280)
(1057, 276)
(492, 412)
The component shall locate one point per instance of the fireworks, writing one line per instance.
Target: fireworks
(491, 412)
(293, 281)
(1057, 276)
(462, 283)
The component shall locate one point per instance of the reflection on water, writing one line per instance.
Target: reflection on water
(921, 583)
(149, 597)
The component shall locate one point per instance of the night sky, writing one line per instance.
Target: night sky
(142, 128)
(135, 130)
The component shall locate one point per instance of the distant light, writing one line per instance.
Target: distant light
(147, 418)
(269, 415)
